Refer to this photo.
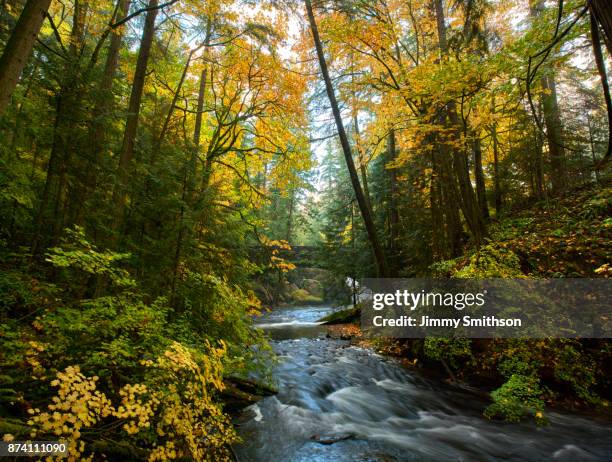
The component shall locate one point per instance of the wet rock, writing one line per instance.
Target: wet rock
(331, 439)
(349, 315)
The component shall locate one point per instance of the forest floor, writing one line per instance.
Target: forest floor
(570, 236)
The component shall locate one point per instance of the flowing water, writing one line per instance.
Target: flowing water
(337, 402)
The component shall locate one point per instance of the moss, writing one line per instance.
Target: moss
(491, 261)
(343, 316)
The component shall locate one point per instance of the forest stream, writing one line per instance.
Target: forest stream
(338, 402)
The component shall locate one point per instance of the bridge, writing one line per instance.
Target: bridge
(303, 256)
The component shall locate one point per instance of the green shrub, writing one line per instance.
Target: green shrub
(578, 370)
(447, 349)
(491, 262)
(80, 257)
(141, 360)
(517, 398)
(15, 291)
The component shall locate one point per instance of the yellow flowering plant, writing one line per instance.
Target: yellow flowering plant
(173, 415)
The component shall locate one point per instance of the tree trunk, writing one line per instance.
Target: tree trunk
(71, 185)
(179, 238)
(188, 196)
(200, 108)
(601, 68)
(103, 108)
(175, 97)
(592, 145)
(393, 205)
(105, 98)
(354, 259)
(552, 118)
(451, 201)
(467, 198)
(603, 13)
(19, 47)
(131, 123)
(202, 89)
(481, 192)
(539, 165)
(362, 164)
(366, 213)
(206, 73)
(496, 183)
(55, 203)
(437, 217)
(290, 217)
(52, 173)
(446, 224)
(497, 195)
(363, 168)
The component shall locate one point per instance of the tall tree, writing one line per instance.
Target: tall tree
(394, 217)
(481, 192)
(131, 123)
(552, 116)
(603, 13)
(105, 97)
(467, 198)
(202, 89)
(19, 47)
(57, 205)
(497, 194)
(366, 212)
(601, 68)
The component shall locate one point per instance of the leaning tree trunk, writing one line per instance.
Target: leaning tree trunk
(603, 14)
(605, 86)
(366, 212)
(175, 97)
(363, 170)
(131, 123)
(19, 46)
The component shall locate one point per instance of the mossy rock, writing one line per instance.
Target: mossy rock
(350, 315)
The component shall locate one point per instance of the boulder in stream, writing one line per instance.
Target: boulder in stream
(331, 439)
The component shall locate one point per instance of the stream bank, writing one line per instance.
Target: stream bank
(339, 402)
